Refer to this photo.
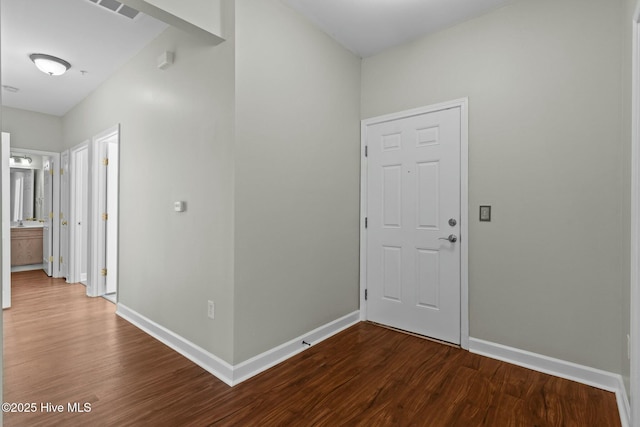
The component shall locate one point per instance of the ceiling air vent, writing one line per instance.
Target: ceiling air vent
(117, 7)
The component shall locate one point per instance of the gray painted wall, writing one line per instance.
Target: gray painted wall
(176, 144)
(260, 135)
(297, 178)
(543, 78)
(32, 130)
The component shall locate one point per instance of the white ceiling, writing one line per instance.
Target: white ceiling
(99, 41)
(367, 27)
(90, 37)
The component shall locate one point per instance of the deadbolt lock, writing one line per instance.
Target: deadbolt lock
(453, 222)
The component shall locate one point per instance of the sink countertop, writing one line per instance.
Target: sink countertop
(27, 224)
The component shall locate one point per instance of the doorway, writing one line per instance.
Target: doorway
(103, 215)
(48, 205)
(415, 225)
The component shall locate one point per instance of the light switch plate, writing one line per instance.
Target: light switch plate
(485, 213)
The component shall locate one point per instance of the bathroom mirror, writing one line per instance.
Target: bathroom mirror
(22, 194)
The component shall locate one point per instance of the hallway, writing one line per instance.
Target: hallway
(61, 347)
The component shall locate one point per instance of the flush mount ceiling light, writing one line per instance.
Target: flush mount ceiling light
(50, 64)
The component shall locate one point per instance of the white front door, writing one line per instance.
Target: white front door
(413, 223)
(47, 232)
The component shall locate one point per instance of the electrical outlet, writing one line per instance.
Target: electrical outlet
(210, 309)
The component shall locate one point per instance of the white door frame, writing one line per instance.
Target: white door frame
(464, 205)
(6, 222)
(55, 206)
(96, 284)
(635, 225)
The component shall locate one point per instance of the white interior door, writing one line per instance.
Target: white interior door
(64, 214)
(103, 168)
(83, 215)
(6, 222)
(100, 217)
(79, 206)
(47, 230)
(413, 233)
(112, 213)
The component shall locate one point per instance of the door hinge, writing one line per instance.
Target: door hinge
(105, 216)
(103, 272)
(366, 222)
(105, 161)
(366, 151)
(51, 258)
(366, 294)
(61, 261)
(50, 215)
(61, 171)
(51, 172)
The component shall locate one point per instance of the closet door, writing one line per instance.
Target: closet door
(47, 232)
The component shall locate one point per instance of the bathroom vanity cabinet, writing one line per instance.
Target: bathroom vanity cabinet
(26, 246)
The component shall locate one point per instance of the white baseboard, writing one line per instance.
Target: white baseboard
(560, 368)
(266, 360)
(207, 361)
(30, 267)
(230, 374)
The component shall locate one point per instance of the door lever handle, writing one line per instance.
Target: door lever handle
(451, 237)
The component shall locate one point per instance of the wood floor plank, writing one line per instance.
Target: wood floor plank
(61, 347)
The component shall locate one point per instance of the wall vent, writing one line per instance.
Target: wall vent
(117, 7)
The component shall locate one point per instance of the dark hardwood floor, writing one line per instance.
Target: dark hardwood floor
(61, 347)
